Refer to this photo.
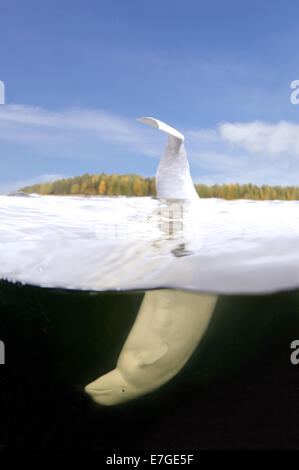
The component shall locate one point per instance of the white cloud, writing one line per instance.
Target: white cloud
(260, 137)
(213, 160)
(28, 124)
(240, 152)
(37, 126)
(257, 152)
(8, 186)
(94, 121)
(204, 135)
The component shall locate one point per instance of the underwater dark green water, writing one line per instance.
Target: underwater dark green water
(239, 390)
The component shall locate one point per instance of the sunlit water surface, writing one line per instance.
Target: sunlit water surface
(120, 243)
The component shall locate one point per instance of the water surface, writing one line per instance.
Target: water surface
(120, 243)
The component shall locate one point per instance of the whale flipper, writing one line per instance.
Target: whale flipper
(148, 357)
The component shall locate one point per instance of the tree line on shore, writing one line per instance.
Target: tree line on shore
(135, 185)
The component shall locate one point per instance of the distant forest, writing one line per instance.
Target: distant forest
(135, 185)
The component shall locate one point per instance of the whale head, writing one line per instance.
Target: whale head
(112, 389)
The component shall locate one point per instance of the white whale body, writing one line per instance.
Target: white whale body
(167, 330)
(170, 323)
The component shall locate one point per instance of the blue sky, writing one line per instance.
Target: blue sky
(78, 73)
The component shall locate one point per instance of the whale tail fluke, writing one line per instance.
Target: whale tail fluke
(173, 179)
(162, 127)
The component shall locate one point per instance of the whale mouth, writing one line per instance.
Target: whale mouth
(94, 391)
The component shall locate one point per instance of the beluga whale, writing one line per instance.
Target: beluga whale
(170, 323)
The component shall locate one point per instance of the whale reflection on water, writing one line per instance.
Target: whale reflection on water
(179, 225)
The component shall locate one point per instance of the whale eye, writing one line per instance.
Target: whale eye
(123, 390)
